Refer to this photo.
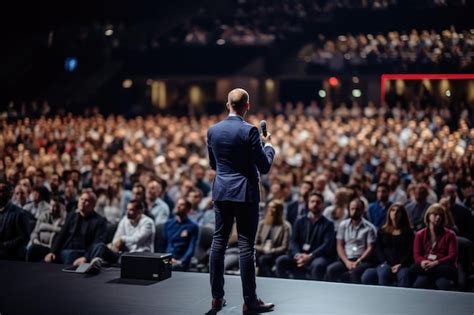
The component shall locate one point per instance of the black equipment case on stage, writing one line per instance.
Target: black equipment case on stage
(146, 266)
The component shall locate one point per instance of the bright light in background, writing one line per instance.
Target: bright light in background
(399, 87)
(127, 83)
(448, 93)
(220, 42)
(355, 80)
(322, 93)
(109, 32)
(356, 93)
(269, 85)
(70, 64)
(333, 81)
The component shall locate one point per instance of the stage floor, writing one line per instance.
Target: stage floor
(27, 288)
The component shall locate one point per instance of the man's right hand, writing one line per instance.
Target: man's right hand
(50, 258)
(266, 139)
(117, 245)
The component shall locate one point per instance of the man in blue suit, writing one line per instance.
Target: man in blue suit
(238, 156)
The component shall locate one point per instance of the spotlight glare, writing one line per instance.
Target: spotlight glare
(322, 93)
(356, 93)
(448, 93)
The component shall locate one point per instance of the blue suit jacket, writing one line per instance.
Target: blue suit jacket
(237, 155)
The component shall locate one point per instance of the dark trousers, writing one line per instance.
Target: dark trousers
(36, 252)
(383, 275)
(246, 215)
(441, 277)
(337, 271)
(102, 251)
(67, 256)
(265, 263)
(286, 265)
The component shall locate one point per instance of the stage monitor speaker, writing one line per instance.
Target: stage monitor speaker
(146, 266)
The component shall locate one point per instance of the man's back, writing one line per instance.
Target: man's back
(236, 154)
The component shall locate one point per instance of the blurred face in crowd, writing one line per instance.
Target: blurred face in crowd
(153, 191)
(382, 193)
(181, 207)
(138, 193)
(315, 204)
(320, 183)
(70, 189)
(395, 215)
(86, 203)
(54, 182)
(19, 195)
(393, 181)
(25, 183)
(36, 196)
(55, 208)
(304, 189)
(436, 218)
(194, 197)
(356, 210)
(421, 193)
(133, 212)
(4, 195)
(450, 193)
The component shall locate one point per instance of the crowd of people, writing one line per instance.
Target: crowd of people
(362, 194)
(448, 50)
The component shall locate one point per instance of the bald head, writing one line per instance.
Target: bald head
(237, 100)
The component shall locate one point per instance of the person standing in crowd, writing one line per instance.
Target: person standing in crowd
(311, 246)
(236, 153)
(393, 249)
(273, 238)
(435, 252)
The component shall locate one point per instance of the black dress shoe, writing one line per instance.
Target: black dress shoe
(218, 304)
(257, 307)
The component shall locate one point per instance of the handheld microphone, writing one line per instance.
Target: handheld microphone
(263, 127)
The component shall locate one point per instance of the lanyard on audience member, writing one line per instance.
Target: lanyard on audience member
(313, 234)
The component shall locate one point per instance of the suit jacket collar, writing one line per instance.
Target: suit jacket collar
(235, 117)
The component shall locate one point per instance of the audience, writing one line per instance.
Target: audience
(379, 155)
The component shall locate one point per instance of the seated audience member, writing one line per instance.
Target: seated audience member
(338, 211)
(20, 197)
(297, 208)
(180, 236)
(47, 228)
(416, 208)
(393, 249)
(435, 252)
(462, 216)
(272, 239)
(82, 230)
(14, 229)
(397, 194)
(135, 233)
(40, 202)
(355, 245)
(378, 209)
(311, 245)
(157, 207)
(194, 197)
